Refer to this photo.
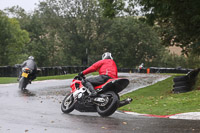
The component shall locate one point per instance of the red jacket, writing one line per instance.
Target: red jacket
(104, 67)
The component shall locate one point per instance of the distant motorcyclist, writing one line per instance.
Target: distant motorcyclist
(107, 69)
(30, 63)
(141, 66)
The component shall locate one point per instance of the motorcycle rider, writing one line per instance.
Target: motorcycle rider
(30, 63)
(107, 69)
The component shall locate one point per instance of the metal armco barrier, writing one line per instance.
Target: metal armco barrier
(10, 71)
(169, 70)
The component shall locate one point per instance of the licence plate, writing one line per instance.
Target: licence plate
(24, 74)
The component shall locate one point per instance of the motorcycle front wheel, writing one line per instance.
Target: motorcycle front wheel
(111, 106)
(68, 104)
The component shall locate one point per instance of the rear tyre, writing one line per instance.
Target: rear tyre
(68, 104)
(23, 83)
(111, 106)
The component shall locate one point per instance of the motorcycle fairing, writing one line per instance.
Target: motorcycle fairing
(76, 83)
(116, 84)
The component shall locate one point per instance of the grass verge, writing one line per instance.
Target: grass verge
(158, 99)
(7, 80)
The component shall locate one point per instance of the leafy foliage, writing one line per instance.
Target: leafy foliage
(12, 40)
(132, 42)
(111, 7)
(74, 32)
(179, 20)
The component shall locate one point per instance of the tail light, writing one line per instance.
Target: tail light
(27, 69)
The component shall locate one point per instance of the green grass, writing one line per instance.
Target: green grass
(158, 99)
(67, 76)
(7, 80)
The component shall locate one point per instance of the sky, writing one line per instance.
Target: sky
(28, 5)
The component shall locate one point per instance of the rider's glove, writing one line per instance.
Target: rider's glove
(81, 74)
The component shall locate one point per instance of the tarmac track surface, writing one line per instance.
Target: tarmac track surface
(38, 111)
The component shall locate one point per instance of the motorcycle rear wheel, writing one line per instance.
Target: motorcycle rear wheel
(68, 104)
(23, 83)
(111, 106)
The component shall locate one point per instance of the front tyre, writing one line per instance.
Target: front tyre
(111, 106)
(68, 104)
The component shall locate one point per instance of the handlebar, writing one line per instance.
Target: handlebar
(17, 65)
(79, 77)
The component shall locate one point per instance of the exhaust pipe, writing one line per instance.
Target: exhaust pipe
(125, 102)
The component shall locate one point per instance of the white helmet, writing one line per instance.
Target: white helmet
(107, 55)
(31, 58)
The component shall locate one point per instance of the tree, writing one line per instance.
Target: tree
(181, 20)
(111, 7)
(62, 31)
(116, 8)
(82, 28)
(132, 42)
(50, 20)
(41, 27)
(32, 22)
(12, 40)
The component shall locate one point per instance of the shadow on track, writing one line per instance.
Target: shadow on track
(27, 93)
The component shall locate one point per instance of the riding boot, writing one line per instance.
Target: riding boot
(19, 76)
(91, 88)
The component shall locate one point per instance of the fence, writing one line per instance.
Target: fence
(9, 71)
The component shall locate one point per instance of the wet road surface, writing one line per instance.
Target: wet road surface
(38, 111)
